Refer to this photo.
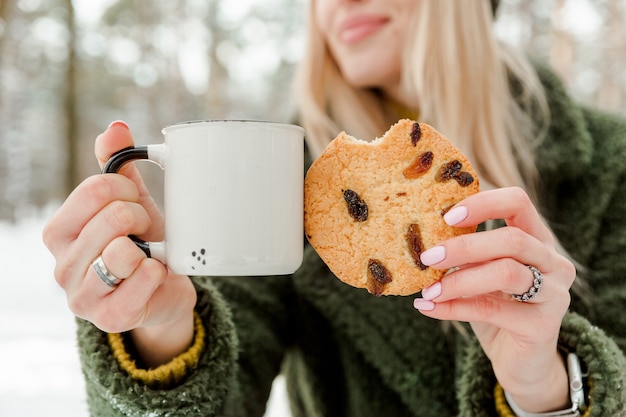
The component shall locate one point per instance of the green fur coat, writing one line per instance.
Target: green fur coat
(347, 353)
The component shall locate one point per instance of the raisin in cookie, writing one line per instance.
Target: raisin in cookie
(372, 208)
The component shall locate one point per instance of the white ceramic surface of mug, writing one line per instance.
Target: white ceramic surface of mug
(233, 196)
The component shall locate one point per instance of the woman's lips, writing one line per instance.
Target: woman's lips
(356, 29)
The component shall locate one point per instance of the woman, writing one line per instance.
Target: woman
(215, 345)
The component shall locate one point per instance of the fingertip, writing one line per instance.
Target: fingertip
(118, 123)
(433, 255)
(423, 305)
(117, 136)
(149, 275)
(154, 267)
(432, 292)
(456, 215)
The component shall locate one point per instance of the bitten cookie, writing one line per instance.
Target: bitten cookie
(371, 208)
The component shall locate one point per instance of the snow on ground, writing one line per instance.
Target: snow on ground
(41, 374)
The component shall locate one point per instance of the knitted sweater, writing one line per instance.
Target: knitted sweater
(347, 353)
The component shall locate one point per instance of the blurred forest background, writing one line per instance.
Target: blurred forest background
(68, 68)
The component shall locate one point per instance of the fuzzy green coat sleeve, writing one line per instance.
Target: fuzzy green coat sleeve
(599, 354)
(245, 319)
(111, 392)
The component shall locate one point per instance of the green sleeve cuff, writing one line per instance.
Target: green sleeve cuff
(599, 354)
(203, 390)
(168, 374)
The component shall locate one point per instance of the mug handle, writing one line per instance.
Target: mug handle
(152, 153)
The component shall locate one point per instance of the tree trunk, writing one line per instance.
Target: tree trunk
(611, 91)
(6, 209)
(562, 53)
(70, 106)
(217, 103)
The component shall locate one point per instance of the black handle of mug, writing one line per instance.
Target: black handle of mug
(120, 158)
(114, 164)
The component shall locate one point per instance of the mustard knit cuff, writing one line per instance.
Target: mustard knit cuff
(503, 409)
(165, 375)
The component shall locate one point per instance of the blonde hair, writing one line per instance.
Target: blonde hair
(460, 77)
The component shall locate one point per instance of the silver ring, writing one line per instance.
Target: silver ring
(534, 289)
(104, 274)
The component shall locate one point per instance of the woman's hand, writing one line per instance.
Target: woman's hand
(96, 220)
(519, 338)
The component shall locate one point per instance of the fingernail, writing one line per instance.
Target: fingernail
(433, 255)
(432, 292)
(421, 304)
(456, 215)
(119, 123)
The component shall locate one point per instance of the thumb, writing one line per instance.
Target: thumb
(115, 138)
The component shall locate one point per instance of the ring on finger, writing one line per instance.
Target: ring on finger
(104, 274)
(534, 289)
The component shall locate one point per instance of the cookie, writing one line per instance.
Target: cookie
(371, 208)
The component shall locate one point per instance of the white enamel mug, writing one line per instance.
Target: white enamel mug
(233, 197)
